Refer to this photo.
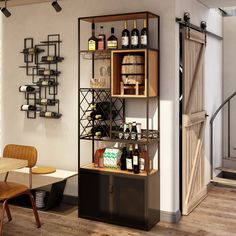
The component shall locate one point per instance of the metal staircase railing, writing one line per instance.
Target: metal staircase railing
(226, 102)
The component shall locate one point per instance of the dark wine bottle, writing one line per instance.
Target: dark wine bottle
(135, 36)
(99, 131)
(49, 114)
(51, 59)
(28, 88)
(134, 131)
(112, 42)
(144, 35)
(101, 39)
(136, 160)
(127, 131)
(46, 83)
(29, 108)
(129, 159)
(121, 130)
(123, 159)
(48, 72)
(93, 41)
(125, 36)
(46, 102)
(31, 51)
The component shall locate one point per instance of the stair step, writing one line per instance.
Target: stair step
(223, 181)
(225, 169)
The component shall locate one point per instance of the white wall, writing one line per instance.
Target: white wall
(56, 140)
(212, 71)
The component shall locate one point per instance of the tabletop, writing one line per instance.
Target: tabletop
(9, 164)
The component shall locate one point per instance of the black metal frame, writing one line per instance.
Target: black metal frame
(226, 102)
(149, 134)
(34, 65)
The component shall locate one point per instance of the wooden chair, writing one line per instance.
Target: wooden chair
(10, 190)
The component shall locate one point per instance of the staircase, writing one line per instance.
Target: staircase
(227, 172)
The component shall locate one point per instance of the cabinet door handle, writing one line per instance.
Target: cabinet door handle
(110, 188)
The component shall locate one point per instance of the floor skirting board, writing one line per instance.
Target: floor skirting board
(171, 217)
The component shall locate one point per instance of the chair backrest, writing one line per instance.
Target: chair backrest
(28, 153)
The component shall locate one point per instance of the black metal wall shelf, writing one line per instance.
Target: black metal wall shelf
(41, 64)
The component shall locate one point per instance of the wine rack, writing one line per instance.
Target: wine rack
(42, 65)
(108, 192)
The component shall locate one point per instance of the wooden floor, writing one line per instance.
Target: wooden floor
(216, 215)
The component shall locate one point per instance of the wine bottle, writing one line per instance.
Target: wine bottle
(99, 131)
(48, 72)
(127, 131)
(101, 39)
(144, 35)
(46, 83)
(123, 159)
(136, 160)
(92, 41)
(49, 114)
(28, 88)
(135, 36)
(51, 59)
(125, 36)
(33, 50)
(101, 115)
(142, 160)
(134, 131)
(112, 42)
(29, 108)
(121, 130)
(129, 159)
(46, 102)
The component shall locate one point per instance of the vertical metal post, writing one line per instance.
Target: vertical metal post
(228, 128)
(211, 149)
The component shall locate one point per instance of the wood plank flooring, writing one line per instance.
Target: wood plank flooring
(216, 215)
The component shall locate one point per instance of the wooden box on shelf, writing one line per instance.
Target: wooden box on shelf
(136, 77)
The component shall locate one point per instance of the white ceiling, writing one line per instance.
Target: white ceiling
(218, 3)
(12, 3)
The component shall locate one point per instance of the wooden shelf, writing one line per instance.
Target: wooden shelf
(117, 171)
(120, 17)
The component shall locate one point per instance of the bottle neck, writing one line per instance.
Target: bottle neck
(144, 23)
(135, 24)
(125, 25)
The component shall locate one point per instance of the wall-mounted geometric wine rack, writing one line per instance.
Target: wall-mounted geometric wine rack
(41, 64)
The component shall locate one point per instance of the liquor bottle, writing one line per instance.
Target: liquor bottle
(125, 36)
(127, 131)
(121, 130)
(129, 159)
(112, 42)
(101, 39)
(134, 131)
(99, 131)
(49, 114)
(28, 108)
(51, 59)
(46, 83)
(93, 41)
(28, 88)
(31, 51)
(123, 159)
(144, 35)
(136, 160)
(46, 102)
(48, 72)
(142, 160)
(135, 36)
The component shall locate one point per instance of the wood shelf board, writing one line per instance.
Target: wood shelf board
(119, 17)
(224, 181)
(225, 169)
(116, 171)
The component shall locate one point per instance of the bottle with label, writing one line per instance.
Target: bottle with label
(125, 36)
(46, 102)
(51, 59)
(49, 114)
(45, 83)
(101, 39)
(121, 130)
(135, 36)
(29, 108)
(28, 88)
(142, 160)
(92, 41)
(48, 72)
(129, 159)
(136, 160)
(112, 42)
(123, 159)
(144, 35)
(99, 131)
(127, 131)
(31, 51)
(134, 131)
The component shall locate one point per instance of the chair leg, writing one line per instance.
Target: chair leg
(34, 209)
(8, 212)
(2, 216)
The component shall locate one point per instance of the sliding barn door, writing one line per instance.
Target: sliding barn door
(193, 120)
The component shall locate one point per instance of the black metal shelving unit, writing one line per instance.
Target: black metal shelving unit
(111, 195)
